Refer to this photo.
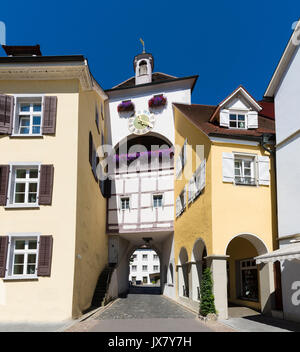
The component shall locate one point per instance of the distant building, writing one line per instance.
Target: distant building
(144, 267)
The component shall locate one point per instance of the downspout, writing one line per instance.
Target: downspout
(265, 140)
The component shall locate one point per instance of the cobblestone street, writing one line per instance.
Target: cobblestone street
(146, 312)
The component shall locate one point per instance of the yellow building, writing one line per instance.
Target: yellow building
(52, 229)
(225, 196)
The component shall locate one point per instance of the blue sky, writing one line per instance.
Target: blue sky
(227, 43)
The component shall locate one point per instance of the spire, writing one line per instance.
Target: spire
(143, 43)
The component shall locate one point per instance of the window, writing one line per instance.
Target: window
(155, 267)
(143, 68)
(144, 267)
(24, 185)
(157, 201)
(237, 121)
(101, 111)
(97, 118)
(181, 159)
(248, 280)
(155, 257)
(28, 119)
(145, 279)
(23, 258)
(134, 256)
(145, 257)
(133, 268)
(125, 203)
(244, 170)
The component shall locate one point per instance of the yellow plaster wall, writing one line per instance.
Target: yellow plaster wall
(195, 222)
(47, 298)
(240, 209)
(91, 239)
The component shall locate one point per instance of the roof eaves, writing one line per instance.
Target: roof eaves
(282, 64)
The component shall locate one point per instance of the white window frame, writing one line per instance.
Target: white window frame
(134, 268)
(129, 205)
(12, 185)
(10, 257)
(144, 266)
(162, 200)
(146, 257)
(30, 99)
(246, 157)
(155, 266)
(235, 112)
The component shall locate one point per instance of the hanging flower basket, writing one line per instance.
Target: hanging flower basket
(157, 101)
(126, 106)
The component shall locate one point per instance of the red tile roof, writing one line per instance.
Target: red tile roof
(200, 116)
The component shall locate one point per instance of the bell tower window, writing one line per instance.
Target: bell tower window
(143, 68)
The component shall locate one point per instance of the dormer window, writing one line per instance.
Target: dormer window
(143, 68)
(237, 120)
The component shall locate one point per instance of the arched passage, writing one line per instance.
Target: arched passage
(198, 264)
(248, 284)
(183, 273)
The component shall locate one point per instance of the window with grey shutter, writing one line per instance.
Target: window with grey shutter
(45, 256)
(49, 114)
(4, 176)
(46, 184)
(3, 254)
(6, 113)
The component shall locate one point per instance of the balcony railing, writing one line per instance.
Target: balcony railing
(248, 181)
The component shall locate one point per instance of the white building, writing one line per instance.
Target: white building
(284, 88)
(141, 206)
(145, 262)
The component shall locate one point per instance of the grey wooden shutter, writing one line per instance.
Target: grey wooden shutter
(263, 170)
(46, 184)
(228, 167)
(49, 115)
(252, 119)
(3, 254)
(6, 113)
(4, 176)
(224, 118)
(202, 174)
(45, 256)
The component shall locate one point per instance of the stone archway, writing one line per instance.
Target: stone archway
(183, 273)
(249, 284)
(198, 264)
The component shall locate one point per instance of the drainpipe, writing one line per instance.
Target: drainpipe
(266, 140)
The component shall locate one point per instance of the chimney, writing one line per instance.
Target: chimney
(22, 50)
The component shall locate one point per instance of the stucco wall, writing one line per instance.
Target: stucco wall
(47, 298)
(195, 222)
(91, 241)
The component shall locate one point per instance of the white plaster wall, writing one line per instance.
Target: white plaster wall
(287, 102)
(288, 187)
(164, 121)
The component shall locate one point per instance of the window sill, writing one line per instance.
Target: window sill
(27, 135)
(20, 278)
(21, 206)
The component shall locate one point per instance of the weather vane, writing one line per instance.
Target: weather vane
(141, 40)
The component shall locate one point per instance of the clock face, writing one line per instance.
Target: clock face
(141, 123)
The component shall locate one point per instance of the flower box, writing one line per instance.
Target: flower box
(126, 105)
(157, 101)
